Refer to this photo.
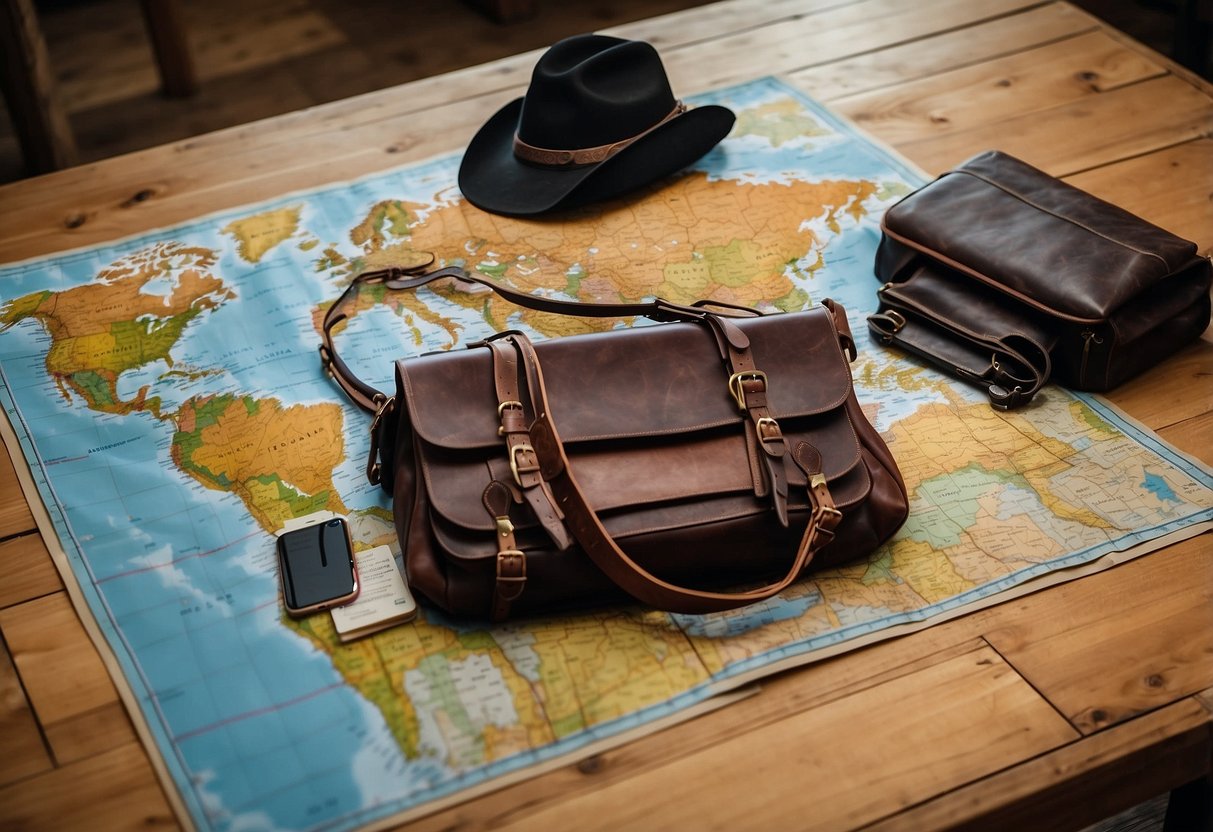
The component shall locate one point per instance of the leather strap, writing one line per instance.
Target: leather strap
(550, 157)
(511, 561)
(1011, 378)
(524, 468)
(602, 549)
(369, 399)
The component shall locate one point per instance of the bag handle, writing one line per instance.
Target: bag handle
(414, 277)
(587, 527)
(1011, 376)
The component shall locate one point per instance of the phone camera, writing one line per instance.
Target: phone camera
(333, 523)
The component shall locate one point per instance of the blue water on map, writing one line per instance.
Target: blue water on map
(1157, 486)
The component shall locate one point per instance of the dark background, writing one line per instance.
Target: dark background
(259, 58)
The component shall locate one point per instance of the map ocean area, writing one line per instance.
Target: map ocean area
(166, 394)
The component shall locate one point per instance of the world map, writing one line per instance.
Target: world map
(167, 397)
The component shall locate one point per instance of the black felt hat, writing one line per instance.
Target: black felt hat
(598, 120)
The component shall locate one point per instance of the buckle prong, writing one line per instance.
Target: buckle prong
(768, 422)
(514, 451)
(738, 392)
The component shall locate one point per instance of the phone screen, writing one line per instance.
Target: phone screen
(317, 565)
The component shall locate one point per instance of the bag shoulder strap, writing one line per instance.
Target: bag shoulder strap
(369, 399)
(586, 526)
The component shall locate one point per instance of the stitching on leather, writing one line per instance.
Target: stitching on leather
(1062, 217)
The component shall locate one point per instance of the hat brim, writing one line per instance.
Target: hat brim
(492, 178)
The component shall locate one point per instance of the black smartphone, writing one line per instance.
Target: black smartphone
(317, 567)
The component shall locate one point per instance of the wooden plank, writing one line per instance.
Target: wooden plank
(1205, 698)
(940, 53)
(841, 33)
(1172, 187)
(233, 99)
(104, 203)
(116, 62)
(114, 791)
(1096, 130)
(65, 680)
(1110, 651)
(1080, 783)
(186, 192)
(779, 698)
(701, 24)
(22, 751)
(1171, 392)
(15, 516)
(29, 572)
(1193, 436)
(1017, 85)
(929, 731)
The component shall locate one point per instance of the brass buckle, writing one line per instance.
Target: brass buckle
(886, 324)
(511, 554)
(514, 451)
(736, 389)
(767, 421)
(385, 403)
(501, 408)
(373, 468)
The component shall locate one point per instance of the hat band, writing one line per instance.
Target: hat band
(587, 155)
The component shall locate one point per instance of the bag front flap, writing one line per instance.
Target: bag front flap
(969, 307)
(1043, 241)
(645, 413)
(646, 381)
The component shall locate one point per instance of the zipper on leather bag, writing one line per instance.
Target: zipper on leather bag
(1088, 336)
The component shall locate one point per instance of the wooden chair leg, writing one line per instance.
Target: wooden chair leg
(39, 120)
(166, 29)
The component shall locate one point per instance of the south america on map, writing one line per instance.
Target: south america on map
(166, 394)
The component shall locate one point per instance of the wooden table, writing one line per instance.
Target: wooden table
(1050, 711)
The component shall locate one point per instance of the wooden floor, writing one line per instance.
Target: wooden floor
(265, 57)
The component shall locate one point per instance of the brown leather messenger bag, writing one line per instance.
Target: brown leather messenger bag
(672, 463)
(1006, 277)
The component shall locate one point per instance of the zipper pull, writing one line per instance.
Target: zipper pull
(1088, 336)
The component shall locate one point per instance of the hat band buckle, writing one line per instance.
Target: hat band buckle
(588, 155)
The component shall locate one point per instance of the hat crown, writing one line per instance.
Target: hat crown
(591, 90)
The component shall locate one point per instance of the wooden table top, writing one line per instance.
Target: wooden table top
(1049, 711)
